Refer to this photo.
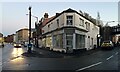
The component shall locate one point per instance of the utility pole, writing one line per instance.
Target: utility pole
(29, 45)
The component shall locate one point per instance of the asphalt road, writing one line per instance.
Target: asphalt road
(94, 60)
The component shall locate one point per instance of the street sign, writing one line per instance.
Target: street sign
(29, 45)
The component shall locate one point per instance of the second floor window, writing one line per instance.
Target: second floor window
(69, 20)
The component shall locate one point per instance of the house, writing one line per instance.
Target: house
(68, 31)
(22, 35)
(1, 39)
(9, 38)
(116, 34)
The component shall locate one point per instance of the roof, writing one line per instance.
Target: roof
(22, 29)
(47, 20)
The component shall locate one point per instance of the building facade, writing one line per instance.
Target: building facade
(1, 38)
(9, 38)
(106, 33)
(116, 34)
(22, 35)
(68, 31)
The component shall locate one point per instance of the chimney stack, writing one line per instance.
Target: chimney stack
(46, 15)
(57, 14)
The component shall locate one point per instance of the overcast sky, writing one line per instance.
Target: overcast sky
(14, 13)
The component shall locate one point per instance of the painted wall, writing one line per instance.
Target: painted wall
(90, 36)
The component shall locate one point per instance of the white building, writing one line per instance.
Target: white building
(68, 31)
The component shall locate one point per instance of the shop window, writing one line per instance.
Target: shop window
(58, 41)
(80, 41)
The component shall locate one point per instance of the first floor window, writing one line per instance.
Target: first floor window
(69, 20)
(81, 22)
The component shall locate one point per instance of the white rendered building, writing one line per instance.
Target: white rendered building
(68, 31)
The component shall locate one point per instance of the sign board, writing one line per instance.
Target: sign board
(29, 45)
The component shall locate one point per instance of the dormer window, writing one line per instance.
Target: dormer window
(69, 20)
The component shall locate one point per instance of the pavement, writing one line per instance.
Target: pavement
(45, 53)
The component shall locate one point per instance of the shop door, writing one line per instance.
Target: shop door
(69, 42)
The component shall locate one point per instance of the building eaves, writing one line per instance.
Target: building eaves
(69, 11)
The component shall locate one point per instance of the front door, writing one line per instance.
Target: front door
(69, 42)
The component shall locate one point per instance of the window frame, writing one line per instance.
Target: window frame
(81, 22)
(69, 19)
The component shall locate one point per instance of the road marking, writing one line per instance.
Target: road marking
(89, 66)
(109, 57)
(116, 53)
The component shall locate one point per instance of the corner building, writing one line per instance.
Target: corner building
(69, 31)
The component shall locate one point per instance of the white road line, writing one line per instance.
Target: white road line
(109, 57)
(89, 66)
(116, 53)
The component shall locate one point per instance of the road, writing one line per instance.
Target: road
(93, 60)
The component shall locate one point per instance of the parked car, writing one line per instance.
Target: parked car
(107, 45)
(17, 45)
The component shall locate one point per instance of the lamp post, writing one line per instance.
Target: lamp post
(29, 45)
(34, 17)
(109, 22)
(98, 40)
(36, 33)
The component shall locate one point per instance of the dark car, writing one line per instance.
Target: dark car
(107, 45)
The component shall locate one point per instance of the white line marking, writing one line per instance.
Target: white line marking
(116, 53)
(89, 66)
(109, 57)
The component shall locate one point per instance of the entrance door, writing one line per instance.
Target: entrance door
(88, 43)
(69, 42)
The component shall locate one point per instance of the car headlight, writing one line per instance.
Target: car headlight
(19, 45)
(14, 44)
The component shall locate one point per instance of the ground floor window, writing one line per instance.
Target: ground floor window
(80, 41)
(49, 41)
(58, 41)
(44, 42)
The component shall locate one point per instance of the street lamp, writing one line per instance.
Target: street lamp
(109, 22)
(36, 25)
(29, 45)
(98, 40)
(34, 17)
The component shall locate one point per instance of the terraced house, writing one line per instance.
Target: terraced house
(69, 30)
